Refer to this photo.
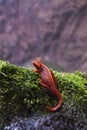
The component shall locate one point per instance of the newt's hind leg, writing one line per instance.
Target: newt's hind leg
(43, 84)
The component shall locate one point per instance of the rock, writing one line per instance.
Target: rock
(23, 100)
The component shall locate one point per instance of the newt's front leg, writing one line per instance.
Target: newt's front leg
(36, 71)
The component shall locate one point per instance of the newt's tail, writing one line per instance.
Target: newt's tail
(59, 103)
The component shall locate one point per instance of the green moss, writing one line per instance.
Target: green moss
(21, 92)
(73, 85)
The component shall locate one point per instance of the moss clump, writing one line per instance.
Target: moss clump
(74, 87)
(21, 92)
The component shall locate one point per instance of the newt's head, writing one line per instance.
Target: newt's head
(37, 63)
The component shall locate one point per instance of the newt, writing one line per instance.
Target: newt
(48, 81)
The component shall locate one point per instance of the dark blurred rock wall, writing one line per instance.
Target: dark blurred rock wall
(55, 30)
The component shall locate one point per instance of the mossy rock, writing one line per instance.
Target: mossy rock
(21, 93)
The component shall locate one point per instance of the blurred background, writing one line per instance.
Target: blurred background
(55, 30)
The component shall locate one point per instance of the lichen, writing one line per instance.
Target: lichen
(21, 92)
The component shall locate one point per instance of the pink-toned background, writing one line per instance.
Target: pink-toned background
(55, 30)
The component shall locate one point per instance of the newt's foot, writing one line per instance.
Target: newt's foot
(36, 71)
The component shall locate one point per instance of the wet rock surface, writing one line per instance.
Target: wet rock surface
(49, 122)
(55, 30)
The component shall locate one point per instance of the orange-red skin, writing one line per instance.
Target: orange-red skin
(48, 81)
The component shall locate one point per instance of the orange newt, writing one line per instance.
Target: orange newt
(48, 81)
